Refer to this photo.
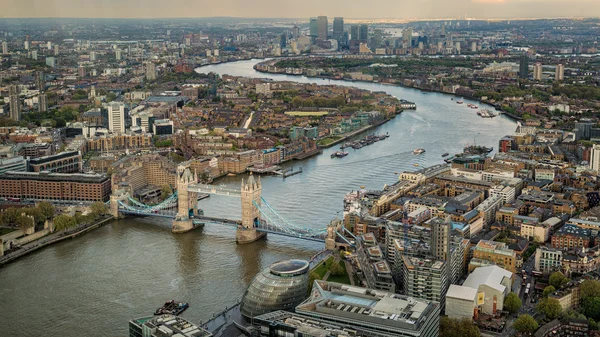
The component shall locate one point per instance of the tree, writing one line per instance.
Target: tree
(24, 222)
(98, 209)
(512, 303)
(336, 269)
(450, 327)
(165, 191)
(558, 279)
(589, 288)
(548, 290)
(525, 324)
(63, 222)
(550, 307)
(111, 96)
(47, 209)
(591, 307)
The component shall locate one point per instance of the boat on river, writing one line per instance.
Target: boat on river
(418, 151)
(339, 154)
(445, 154)
(172, 308)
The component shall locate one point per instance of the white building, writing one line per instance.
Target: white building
(507, 193)
(559, 73)
(493, 284)
(116, 117)
(539, 232)
(461, 302)
(548, 260)
(595, 158)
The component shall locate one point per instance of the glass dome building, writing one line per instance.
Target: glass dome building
(281, 286)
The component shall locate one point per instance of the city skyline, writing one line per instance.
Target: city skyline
(353, 9)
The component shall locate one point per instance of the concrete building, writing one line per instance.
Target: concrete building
(369, 312)
(374, 267)
(165, 325)
(92, 56)
(64, 162)
(537, 72)
(4, 47)
(15, 102)
(461, 302)
(548, 260)
(43, 103)
(595, 158)
(162, 127)
(150, 71)
(15, 164)
(524, 66)
(313, 27)
(535, 231)
(322, 27)
(493, 284)
(116, 117)
(559, 72)
(570, 237)
(426, 278)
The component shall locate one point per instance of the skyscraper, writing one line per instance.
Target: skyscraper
(40, 80)
(338, 27)
(34, 55)
(15, 104)
(296, 32)
(42, 102)
(595, 158)
(407, 37)
(283, 41)
(322, 27)
(4, 47)
(524, 66)
(354, 32)
(151, 71)
(313, 27)
(56, 50)
(537, 71)
(118, 54)
(92, 56)
(559, 73)
(26, 44)
(363, 33)
(116, 117)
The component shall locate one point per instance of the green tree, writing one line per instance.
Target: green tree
(63, 222)
(548, 290)
(165, 191)
(589, 288)
(450, 327)
(558, 279)
(336, 269)
(512, 303)
(590, 307)
(550, 307)
(24, 222)
(46, 209)
(111, 96)
(525, 324)
(98, 209)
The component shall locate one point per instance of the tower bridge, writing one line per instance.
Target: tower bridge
(258, 216)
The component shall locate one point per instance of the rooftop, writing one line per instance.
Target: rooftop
(169, 325)
(491, 276)
(46, 176)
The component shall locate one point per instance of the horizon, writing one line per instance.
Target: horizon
(411, 10)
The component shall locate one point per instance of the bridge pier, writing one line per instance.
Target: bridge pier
(182, 225)
(248, 235)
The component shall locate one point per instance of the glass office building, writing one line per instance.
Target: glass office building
(282, 286)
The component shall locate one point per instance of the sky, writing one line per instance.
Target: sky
(371, 9)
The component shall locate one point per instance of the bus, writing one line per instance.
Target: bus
(537, 273)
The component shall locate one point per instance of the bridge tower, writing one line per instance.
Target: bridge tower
(186, 201)
(250, 194)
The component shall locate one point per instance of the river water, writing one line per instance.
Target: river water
(92, 285)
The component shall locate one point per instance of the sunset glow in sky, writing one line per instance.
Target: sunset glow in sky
(400, 9)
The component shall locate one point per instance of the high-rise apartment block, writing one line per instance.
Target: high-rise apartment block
(559, 73)
(43, 102)
(524, 66)
(116, 117)
(15, 103)
(151, 71)
(595, 158)
(537, 71)
(4, 47)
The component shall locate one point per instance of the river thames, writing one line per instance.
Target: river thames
(92, 285)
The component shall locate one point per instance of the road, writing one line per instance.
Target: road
(518, 288)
